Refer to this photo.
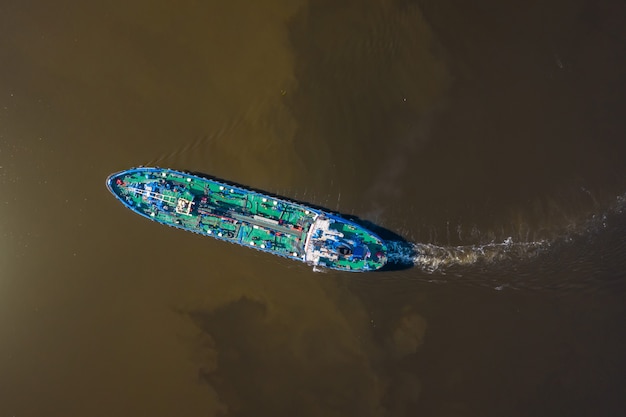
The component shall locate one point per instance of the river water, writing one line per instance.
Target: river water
(487, 136)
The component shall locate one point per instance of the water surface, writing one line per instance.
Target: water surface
(488, 134)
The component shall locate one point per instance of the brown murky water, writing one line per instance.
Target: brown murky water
(489, 134)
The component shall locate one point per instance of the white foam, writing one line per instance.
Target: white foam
(431, 258)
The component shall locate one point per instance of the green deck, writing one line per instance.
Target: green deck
(234, 214)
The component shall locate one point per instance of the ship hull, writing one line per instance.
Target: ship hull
(235, 214)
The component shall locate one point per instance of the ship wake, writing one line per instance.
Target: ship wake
(433, 258)
(582, 249)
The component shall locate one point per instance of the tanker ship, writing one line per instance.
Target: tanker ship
(236, 214)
